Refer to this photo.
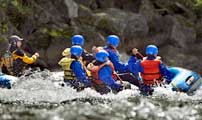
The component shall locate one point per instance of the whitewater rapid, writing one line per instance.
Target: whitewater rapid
(42, 93)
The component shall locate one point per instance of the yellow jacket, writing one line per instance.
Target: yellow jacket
(65, 63)
(25, 58)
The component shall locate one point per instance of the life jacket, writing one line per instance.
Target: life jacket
(65, 63)
(18, 64)
(15, 56)
(151, 73)
(7, 63)
(20, 61)
(15, 60)
(95, 73)
(12, 63)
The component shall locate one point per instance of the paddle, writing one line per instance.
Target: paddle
(137, 53)
(121, 81)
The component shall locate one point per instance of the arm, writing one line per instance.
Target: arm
(119, 66)
(164, 71)
(60, 62)
(29, 60)
(105, 76)
(134, 66)
(137, 54)
(25, 58)
(79, 72)
(131, 65)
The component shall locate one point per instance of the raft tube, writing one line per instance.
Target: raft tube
(7, 81)
(184, 80)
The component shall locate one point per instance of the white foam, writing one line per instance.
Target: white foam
(43, 87)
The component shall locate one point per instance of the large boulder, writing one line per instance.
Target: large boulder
(72, 8)
(49, 25)
(182, 35)
(136, 27)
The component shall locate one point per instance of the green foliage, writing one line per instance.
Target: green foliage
(3, 3)
(2, 39)
(17, 11)
(66, 33)
(198, 3)
(194, 5)
(198, 8)
(18, 4)
(187, 3)
(4, 27)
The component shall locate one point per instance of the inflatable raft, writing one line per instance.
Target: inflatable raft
(6, 81)
(184, 80)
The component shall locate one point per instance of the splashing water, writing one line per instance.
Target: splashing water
(39, 96)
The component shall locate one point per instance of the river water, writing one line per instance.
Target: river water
(39, 97)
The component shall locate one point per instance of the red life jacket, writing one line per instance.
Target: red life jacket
(151, 73)
(95, 72)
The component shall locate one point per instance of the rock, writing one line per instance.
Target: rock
(128, 5)
(3, 45)
(182, 35)
(136, 27)
(122, 23)
(53, 53)
(72, 8)
(105, 3)
(92, 4)
(118, 18)
(84, 11)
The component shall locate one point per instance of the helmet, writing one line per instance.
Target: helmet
(101, 56)
(78, 40)
(113, 40)
(76, 50)
(151, 50)
(14, 39)
(66, 52)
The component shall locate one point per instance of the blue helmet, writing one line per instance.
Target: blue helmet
(78, 40)
(102, 56)
(113, 40)
(76, 50)
(151, 50)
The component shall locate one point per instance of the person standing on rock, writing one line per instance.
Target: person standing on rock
(152, 70)
(103, 74)
(19, 59)
(120, 67)
(77, 69)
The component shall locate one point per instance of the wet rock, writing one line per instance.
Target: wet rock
(182, 35)
(105, 3)
(54, 51)
(72, 8)
(92, 4)
(136, 27)
(129, 5)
